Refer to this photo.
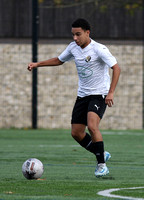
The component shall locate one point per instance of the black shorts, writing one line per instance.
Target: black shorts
(83, 105)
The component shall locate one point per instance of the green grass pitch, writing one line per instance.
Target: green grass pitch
(68, 168)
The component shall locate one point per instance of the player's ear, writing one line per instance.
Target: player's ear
(88, 32)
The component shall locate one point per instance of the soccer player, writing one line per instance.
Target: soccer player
(95, 91)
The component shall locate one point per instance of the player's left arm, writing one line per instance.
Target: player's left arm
(115, 77)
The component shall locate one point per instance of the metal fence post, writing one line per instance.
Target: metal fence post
(35, 22)
(143, 69)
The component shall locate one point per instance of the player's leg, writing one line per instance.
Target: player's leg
(78, 132)
(97, 139)
(84, 139)
(96, 110)
(98, 145)
(79, 122)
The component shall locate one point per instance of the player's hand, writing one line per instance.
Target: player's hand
(109, 99)
(31, 66)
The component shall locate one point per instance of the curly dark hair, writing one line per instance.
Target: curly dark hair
(81, 23)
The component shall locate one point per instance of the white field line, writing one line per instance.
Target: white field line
(107, 193)
(58, 146)
(121, 133)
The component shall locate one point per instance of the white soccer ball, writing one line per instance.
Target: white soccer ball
(32, 168)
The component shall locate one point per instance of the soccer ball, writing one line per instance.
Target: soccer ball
(32, 168)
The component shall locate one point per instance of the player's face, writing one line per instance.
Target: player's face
(81, 37)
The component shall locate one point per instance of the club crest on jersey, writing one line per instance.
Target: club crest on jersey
(88, 58)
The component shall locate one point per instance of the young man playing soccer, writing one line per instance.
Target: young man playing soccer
(95, 92)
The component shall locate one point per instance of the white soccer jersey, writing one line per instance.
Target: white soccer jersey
(92, 64)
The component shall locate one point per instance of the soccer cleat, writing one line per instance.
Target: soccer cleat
(107, 156)
(101, 170)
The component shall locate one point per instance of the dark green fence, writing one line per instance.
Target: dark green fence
(120, 19)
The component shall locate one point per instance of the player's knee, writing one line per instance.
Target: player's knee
(74, 134)
(78, 136)
(92, 129)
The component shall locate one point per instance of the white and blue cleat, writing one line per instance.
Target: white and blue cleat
(101, 170)
(107, 156)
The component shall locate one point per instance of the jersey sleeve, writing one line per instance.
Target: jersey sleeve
(106, 56)
(66, 55)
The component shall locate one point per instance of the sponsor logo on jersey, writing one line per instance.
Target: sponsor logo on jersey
(88, 58)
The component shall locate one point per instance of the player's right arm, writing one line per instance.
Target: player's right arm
(50, 62)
